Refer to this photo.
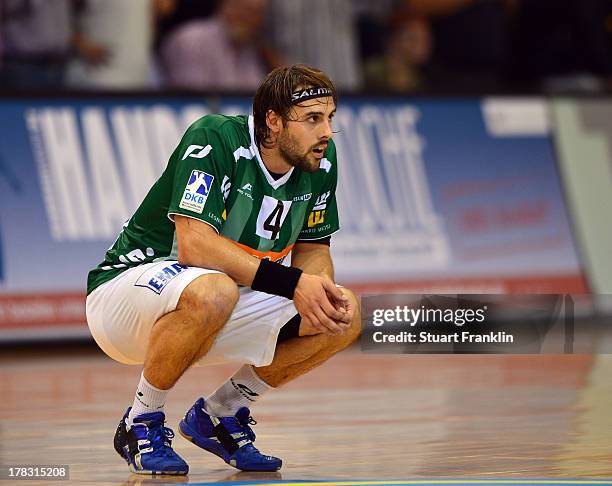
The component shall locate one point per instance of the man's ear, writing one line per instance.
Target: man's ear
(274, 122)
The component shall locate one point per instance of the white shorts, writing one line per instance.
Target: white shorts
(121, 314)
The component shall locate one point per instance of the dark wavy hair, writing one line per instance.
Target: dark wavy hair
(274, 93)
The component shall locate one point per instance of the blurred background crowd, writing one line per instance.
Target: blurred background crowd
(364, 45)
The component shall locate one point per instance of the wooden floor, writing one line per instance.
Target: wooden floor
(358, 416)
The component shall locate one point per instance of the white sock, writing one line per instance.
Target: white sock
(147, 399)
(241, 390)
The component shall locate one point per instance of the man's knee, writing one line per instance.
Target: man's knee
(210, 297)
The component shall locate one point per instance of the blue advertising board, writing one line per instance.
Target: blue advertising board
(452, 192)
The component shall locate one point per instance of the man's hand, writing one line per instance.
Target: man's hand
(348, 307)
(322, 304)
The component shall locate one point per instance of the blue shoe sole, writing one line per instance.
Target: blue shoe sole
(215, 448)
(154, 472)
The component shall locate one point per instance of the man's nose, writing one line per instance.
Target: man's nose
(327, 129)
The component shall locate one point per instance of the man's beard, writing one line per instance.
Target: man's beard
(289, 152)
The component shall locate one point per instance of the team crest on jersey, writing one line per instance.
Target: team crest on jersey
(196, 192)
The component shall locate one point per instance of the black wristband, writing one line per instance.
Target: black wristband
(274, 278)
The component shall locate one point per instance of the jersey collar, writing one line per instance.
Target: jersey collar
(274, 183)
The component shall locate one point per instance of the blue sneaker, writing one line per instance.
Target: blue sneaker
(230, 438)
(146, 447)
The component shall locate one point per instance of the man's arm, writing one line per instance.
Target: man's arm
(313, 258)
(199, 245)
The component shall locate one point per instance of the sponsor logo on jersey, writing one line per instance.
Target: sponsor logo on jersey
(196, 192)
(200, 154)
(317, 230)
(160, 279)
(317, 216)
(243, 190)
(321, 202)
(303, 197)
(216, 218)
(226, 187)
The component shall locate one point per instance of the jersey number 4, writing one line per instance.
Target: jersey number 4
(271, 217)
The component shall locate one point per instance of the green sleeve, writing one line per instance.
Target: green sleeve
(201, 170)
(322, 219)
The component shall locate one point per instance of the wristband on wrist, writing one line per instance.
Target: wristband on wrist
(274, 278)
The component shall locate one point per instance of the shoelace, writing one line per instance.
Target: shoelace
(248, 430)
(161, 440)
(240, 426)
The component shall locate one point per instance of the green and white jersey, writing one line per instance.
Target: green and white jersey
(216, 175)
